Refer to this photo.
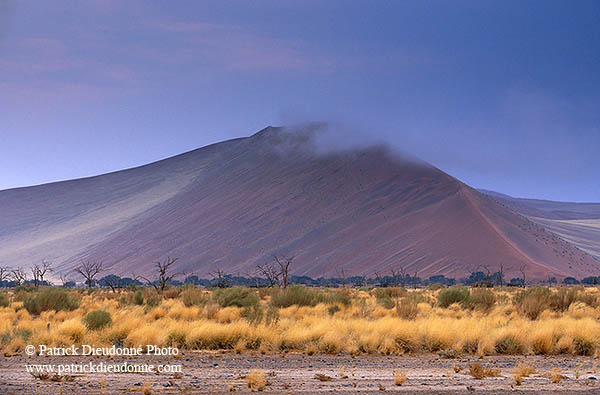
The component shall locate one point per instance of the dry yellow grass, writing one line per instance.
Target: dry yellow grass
(481, 372)
(399, 377)
(255, 379)
(522, 370)
(362, 326)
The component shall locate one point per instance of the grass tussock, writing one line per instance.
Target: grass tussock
(399, 377)
(255, 380)
(481, 372)
(522, 370)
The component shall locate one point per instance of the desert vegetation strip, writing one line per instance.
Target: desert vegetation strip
(390, 321)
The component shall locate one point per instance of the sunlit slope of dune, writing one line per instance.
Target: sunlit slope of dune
(584, 233)
(234, 204)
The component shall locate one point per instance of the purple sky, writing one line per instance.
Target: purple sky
(503, 95)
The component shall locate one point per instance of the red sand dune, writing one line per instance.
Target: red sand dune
(234, 204)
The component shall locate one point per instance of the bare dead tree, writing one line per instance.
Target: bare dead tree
(415, 279)
(63, 279)
(18, 275)
(40, 271)
(394, 277)
(220, 278)
(89, 270)
(135, 277)
(341, 273)
(114, 283)
(253, 276)
(522, 270)
(402, 273)
(4, 273)
(501, 274)
(269, 272)
(164, 274)
(284, 268)
(487, 276)
(377, 278)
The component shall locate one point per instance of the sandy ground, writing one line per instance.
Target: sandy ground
(205, 372)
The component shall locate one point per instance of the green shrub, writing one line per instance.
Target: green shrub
(589, 299)
(563, 298)
(532, 302)
(272, 316)
(97, 319)
(51, 298)
(294, 295)
(253, 314)
(22, 292)
(153, 299)
(481, 299)
(508, 345)
(176, 338)
(3, 300)
(583, 346)
(335, 297)
(24, 334)
(386, 303)
(193, 297)
(235, 296)
(333, 309)
(138, 297)
(453, 295)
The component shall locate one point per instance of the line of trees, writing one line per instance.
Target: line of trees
(270, 274)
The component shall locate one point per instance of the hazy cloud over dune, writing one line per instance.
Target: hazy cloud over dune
(502, 96)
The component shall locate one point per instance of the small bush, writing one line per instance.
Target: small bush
(24, 334)
(51, 298)
(138, 297)
(583, 346)
(563, 298)
(23, 292)
(176, 338)
(508, 345)
(272, 315)
(407, 308)
(3, 300)
(333, 309)
(153, 300)
(342, 297)
(97, 319)
(386, 303)
(589, 299)
(453, 295)
(481, 299)
(193, 297)
(171, 293)
(253, 314)
(294, 295)
(236, 296)
(532, 302)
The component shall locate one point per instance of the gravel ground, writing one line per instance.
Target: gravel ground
(220, 372)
